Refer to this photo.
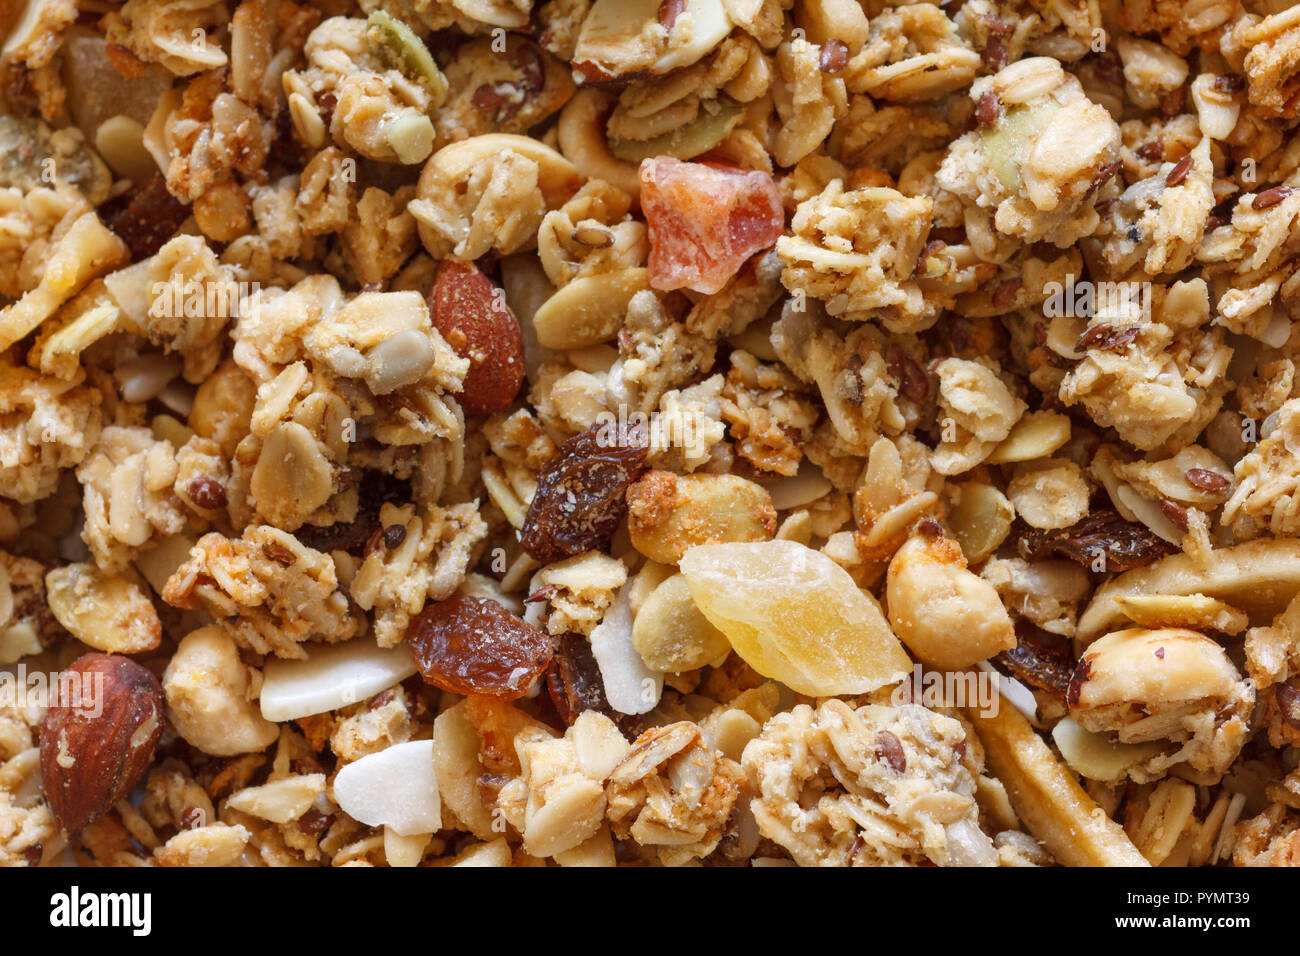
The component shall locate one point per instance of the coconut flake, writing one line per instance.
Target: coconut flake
(630, 686)
(331, 677)
(395, 788)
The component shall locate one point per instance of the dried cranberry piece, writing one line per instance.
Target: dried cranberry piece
(580, 491)
(472, 645)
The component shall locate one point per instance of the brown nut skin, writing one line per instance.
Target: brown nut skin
(90, 760)
(472, 315)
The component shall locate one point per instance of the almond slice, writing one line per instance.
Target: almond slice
(1048, 800)
(1259, 577)
(395, 788)
(332, 677)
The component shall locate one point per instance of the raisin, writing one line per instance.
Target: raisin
(1040, 659)
(394, 535)
(472, 645)
(1125, 544)
(575, 685)
(314, 823)
(573, 680)
(145, 217)
(580, 491)
(352, 536)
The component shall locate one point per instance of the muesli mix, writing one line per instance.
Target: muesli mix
(649, 432)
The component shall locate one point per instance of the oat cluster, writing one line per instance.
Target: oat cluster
(668, 432)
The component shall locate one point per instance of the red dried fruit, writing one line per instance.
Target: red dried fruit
(472, 315)
(1040, 659)
(145, 217)
(579, 500)
(705, 220)
(472, 645)
(1101, 533)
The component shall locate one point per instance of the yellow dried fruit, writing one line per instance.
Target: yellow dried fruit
(795, 616)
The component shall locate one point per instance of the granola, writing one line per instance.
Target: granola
(572, 432)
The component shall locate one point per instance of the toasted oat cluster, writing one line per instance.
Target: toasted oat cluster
(649, 432)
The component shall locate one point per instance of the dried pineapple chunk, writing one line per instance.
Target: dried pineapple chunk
(795, 616)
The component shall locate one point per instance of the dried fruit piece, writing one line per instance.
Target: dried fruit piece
(1040, 659)
(472, 645)
(145, 217)
(472, 315)
(574, 682)
(1101, 536)
(796, 616)
(98, 740)
(580, 491)
(377, 489)
(705, 220)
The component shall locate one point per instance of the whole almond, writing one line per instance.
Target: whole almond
(472, 315)
(96, 747)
